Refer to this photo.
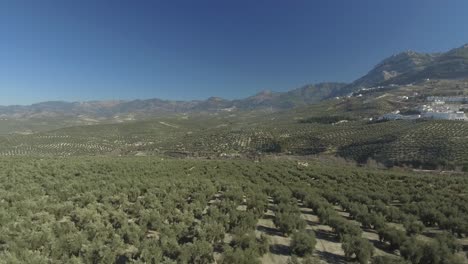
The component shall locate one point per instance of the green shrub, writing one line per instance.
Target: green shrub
(361, 248)
(303, 242)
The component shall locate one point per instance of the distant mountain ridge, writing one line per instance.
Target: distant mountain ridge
(106, 109)
(403, 68)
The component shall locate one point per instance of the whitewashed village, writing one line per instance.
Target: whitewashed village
(440, 108)
(434, 107)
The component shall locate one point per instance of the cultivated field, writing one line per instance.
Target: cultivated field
(426, 144)
(157, 210)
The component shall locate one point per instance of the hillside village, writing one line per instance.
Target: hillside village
(437, 107)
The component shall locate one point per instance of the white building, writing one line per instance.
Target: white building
(445, 115)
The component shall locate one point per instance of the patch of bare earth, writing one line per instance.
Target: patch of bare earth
(328, 248)
(279, 244)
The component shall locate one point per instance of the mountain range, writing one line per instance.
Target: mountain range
(400, 69)
(412, 67)
(264, 100)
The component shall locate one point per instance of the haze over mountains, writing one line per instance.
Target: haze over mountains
(403, 68)
(263, 100)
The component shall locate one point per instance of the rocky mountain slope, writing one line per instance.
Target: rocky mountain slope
(410, 67)
(403, 68)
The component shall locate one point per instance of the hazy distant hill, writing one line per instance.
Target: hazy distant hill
(403, 68)
(106, 109)
(305, 95)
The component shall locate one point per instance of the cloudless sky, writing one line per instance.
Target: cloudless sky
(78, 50)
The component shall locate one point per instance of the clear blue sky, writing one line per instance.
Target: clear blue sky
(186, 49)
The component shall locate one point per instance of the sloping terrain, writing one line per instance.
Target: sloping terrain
(109, 110)
(269, 123)
(427, 143)
(391, 78)
(412, 67)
